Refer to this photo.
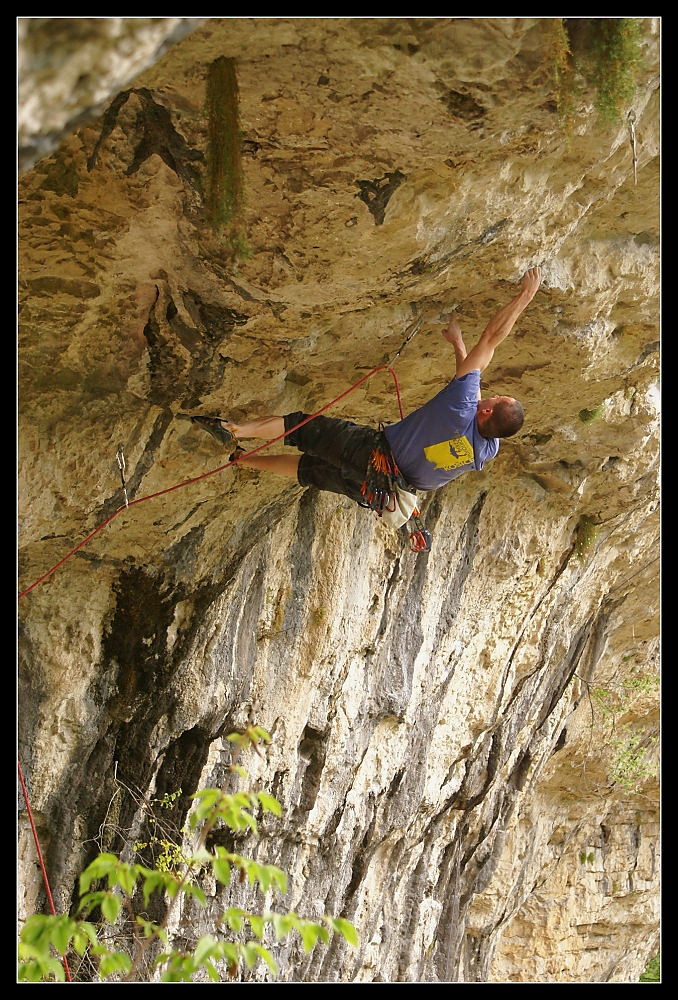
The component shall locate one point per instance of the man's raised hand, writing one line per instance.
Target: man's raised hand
(532, 281)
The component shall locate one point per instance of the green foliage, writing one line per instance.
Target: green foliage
(608, 58)
(588, 416)
(110, 886)
(42, 936)
(561, 65)
(615, 700)
(616, 57)
(607, 701)
(652, 973)
(170, 859)
(640, 683)
(169, 799)
(631, 766)
(225, 198)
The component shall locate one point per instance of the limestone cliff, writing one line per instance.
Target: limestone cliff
(452, 733)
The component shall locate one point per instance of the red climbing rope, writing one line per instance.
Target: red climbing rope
(40, 859)
(212, 472)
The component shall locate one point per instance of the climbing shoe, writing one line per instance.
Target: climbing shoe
(213, 425)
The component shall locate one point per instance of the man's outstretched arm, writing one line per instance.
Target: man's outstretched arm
(500, 325)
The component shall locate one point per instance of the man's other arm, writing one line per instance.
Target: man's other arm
(500, 325)
(453, 335)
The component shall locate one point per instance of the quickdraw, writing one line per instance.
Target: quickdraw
(120, 458)
(420, 538)
(382, 476)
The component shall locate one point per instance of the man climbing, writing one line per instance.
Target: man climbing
(455, 432)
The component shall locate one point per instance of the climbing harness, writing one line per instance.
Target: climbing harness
(382, 478)
(387, 492)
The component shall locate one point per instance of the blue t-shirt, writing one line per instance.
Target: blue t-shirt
(440, 440)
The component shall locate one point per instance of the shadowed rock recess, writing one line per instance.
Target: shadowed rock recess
(451, 731)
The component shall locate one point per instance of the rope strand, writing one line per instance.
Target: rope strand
(212, 472)
(40, 859)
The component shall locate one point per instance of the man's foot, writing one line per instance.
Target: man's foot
(217, 427)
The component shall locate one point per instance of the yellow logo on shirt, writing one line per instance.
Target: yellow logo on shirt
(450, 454)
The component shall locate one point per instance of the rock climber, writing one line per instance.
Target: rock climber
(455, 432)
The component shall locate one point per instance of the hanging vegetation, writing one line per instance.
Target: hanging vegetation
(616, 55)
(225, 195)
(562, 70)
(606, 56)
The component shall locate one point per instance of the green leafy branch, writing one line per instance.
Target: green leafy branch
(181, 966)
(631, 766)
(561, 66)
(45, 937)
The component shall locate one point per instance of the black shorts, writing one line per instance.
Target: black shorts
(336, 453)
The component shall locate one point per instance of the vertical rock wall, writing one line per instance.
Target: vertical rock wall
(450, 732)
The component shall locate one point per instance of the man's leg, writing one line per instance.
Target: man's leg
(261, 427)
(336, 451)
(283, 465)
(313, 472)
(307, 469)
(337, 441)
(331, 439)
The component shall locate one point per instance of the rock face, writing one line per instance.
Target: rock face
(70, 67)
(464, 743)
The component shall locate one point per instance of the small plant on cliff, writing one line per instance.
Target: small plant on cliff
(628, 745)
(590, 416)
(652, 973)
(587, 532)
(225, 198)
(126, 944)
(630, 766)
